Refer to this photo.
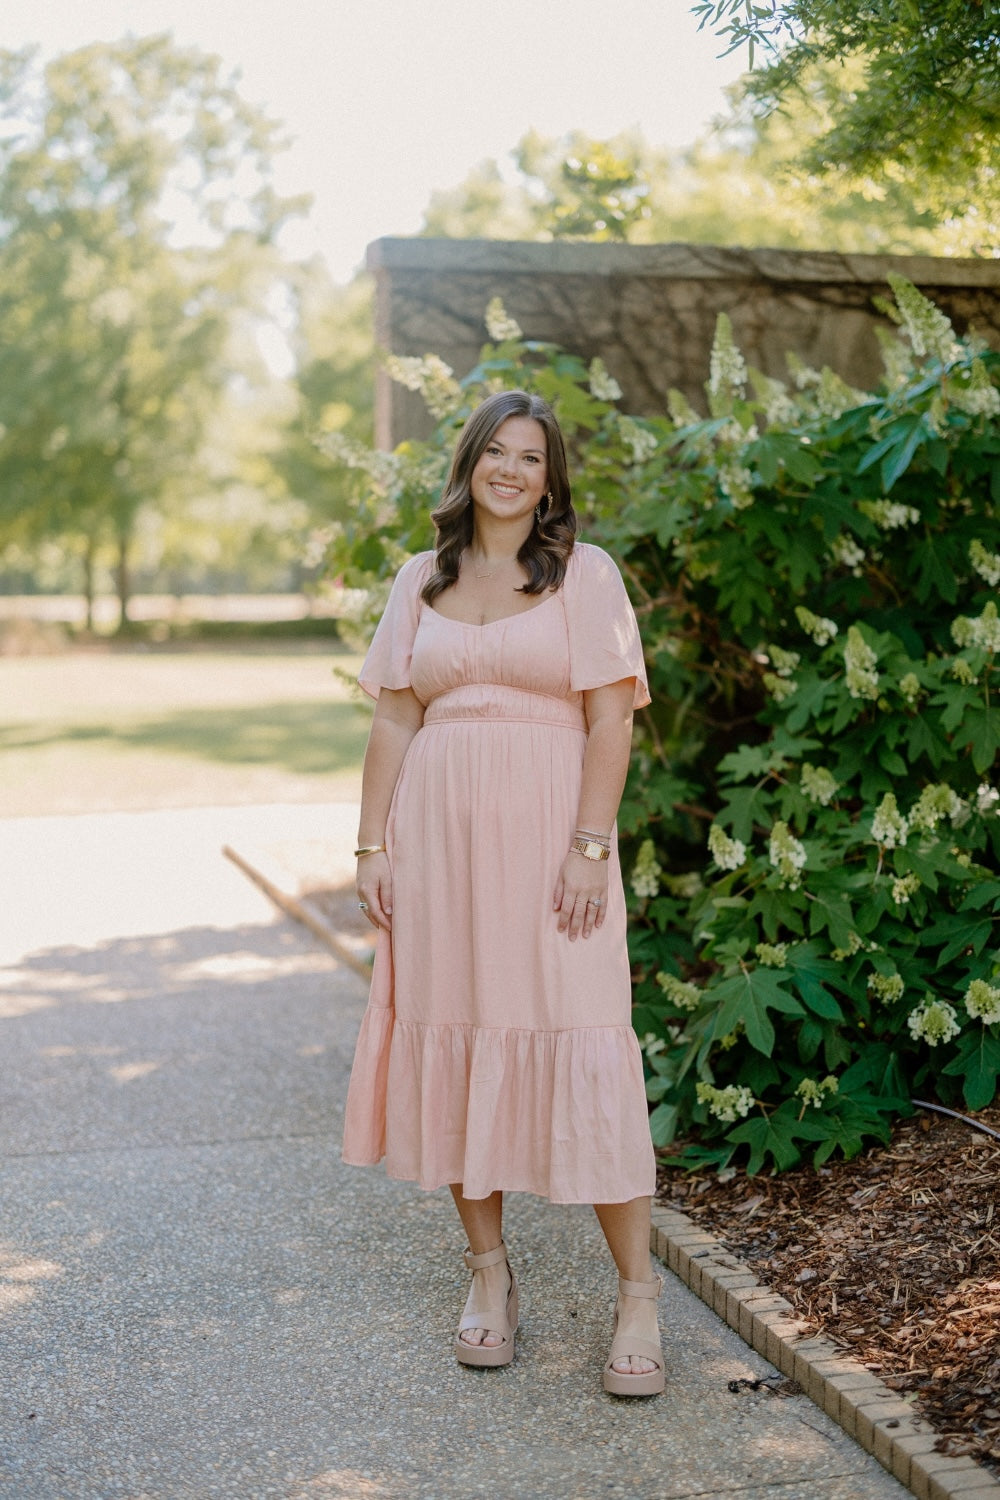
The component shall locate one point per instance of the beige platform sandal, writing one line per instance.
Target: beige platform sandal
(502, 1320)
(623, 1346)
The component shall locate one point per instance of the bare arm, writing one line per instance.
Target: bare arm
(398, 716)
(605, 766)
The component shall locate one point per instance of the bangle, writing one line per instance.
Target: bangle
(369, 849)
(598, 838)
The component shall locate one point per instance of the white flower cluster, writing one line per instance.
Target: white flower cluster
(725, 1104)
(925, 325)
(987, 798)
(685, 996)
(937, 801)
(727, 371)
(651, 1044)
(772, 955)
(779, 408)
(982, 1001)
(817, 784)
(431, 377)
(786, 854)
(909, 686)
(639, 440)
(779, 687)
(889, 827)
(685, 886)
(980, 398)
(783, 662)
(860, 661)
(812, 1092)
(382, 468)
(905, 886)
(499, 326)
(682, 413)
(889, 514)
(886, 987)
(983, 631)
(962, 672)
(845, 551)
(646, 873)
(834, 396)
(602, 385)
(933, 1021)
(986, 564)
(736, 483)
(817, 626)
(804, 375)
(728, 853)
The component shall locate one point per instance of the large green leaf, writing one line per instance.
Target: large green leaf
(776, 1136)
(977, 1063)
(747, 997)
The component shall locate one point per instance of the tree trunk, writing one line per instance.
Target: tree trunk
(123, 580)
(88, 584)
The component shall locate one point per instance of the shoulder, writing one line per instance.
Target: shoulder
(415, 572)
(591, 564)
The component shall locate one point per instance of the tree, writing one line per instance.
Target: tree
(925, 109)
(136, 219)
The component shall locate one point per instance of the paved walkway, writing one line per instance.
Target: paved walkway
(198, 1300)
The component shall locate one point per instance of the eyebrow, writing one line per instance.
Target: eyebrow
(496, 443)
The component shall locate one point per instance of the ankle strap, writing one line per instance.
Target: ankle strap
(488, 1258)
(650, 1289)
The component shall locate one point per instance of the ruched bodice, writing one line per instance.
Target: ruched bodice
(495, 1052)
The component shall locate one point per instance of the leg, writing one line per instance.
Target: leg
(482, 1220)
(626, 1229)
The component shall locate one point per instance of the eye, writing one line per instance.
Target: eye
(532, 458)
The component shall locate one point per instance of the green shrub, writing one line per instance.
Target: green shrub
(811, 836)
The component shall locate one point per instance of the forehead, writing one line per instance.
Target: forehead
(523, 433)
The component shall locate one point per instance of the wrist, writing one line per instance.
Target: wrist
(364, 849)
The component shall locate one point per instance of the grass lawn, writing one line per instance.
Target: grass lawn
(126, 729)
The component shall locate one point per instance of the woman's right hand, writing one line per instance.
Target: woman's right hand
(374, 887)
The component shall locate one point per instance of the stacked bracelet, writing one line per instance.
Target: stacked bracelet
(597, 838)
(369, 849)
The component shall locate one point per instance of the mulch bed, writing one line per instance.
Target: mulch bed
(895, 1256)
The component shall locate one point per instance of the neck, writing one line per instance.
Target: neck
(498, 544)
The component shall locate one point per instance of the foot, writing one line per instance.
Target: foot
(490, 1288)
(636, 1319)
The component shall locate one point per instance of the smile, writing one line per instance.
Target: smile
(508, 491)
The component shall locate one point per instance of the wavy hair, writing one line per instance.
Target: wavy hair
(546, 550)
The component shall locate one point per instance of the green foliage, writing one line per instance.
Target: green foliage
(927, 103)
(116, 338)
(809, 829)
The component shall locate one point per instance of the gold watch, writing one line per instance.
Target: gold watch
(591, 849)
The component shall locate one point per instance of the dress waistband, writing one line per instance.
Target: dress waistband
(491, 701)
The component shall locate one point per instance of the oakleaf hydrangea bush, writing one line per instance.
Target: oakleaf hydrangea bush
(811, 829)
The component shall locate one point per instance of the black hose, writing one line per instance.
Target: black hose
(939, 1109)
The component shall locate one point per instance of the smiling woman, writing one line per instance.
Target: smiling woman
(497, 1052)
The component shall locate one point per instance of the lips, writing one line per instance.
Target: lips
(508, 491)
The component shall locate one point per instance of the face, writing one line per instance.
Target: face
(511, 476)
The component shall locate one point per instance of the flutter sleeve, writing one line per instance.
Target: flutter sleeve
(604, 644)
(387, 664)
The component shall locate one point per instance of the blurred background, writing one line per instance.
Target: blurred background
(186, 194)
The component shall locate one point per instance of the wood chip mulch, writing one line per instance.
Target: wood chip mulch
(895, 1256)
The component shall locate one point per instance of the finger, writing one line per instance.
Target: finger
(577, 919)
(557, 894)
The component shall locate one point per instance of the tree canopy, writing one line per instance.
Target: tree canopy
(136, 216)
(922, 106)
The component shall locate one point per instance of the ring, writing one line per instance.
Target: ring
(594, 903)
(362, 906)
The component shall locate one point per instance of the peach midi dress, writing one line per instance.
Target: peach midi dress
(494, 1052)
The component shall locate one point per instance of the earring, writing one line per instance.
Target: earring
(541, 514)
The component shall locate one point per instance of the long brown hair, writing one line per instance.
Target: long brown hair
(546, 551)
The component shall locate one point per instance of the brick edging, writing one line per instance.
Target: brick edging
(866, 1409)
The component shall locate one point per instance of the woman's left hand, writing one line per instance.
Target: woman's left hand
(581, 895)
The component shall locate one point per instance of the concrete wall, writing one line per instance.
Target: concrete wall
(649, 310)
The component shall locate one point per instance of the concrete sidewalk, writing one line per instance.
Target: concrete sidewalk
(198, 1300)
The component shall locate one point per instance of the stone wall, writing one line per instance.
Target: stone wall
(649, 310)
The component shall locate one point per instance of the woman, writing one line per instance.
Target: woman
(497, 1052)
